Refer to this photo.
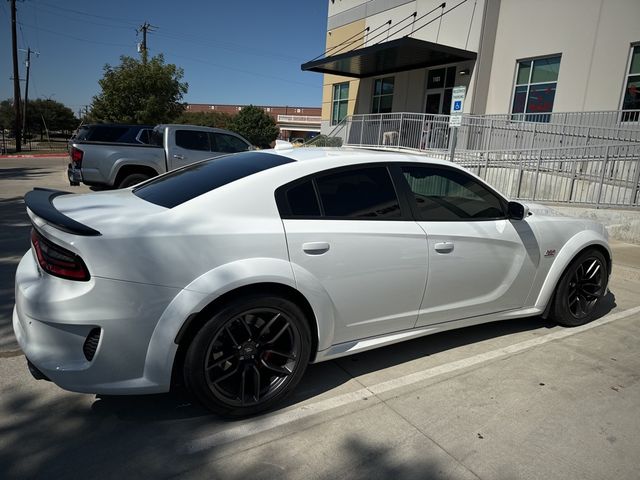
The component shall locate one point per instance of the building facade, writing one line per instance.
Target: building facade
(513, 56)
(294, 122)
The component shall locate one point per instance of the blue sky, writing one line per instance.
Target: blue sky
(231, 52)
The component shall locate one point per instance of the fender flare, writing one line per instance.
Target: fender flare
(575, 245)
(208, 287)
(125, 162)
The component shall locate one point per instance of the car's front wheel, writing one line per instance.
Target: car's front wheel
(581, 289)
(249, 356)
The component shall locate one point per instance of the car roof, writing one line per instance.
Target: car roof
(354, 155)
(198, 127)
(128, 125)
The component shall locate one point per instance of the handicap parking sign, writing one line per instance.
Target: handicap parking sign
(457, 105)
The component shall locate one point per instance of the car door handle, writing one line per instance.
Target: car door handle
(315, 248)
(444, 247)
(177, 156)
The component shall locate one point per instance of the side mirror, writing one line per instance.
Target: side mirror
(517, 211)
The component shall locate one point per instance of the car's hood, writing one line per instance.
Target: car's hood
(109, 211)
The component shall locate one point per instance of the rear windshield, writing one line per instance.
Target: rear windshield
(193, 180)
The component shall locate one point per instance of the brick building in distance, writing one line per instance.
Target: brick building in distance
(294, 122)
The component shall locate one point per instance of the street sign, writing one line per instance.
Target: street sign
(457, 104)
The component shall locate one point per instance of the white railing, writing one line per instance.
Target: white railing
(300, 118)
(419, 131)
(594, 164)
(601, 175)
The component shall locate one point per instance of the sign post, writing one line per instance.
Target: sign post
(455, 116)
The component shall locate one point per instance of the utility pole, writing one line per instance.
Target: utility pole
(144, 28)
(26, 92)
(16, 78)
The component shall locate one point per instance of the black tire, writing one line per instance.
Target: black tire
(133, 179)
(260, 336)
(581, 289)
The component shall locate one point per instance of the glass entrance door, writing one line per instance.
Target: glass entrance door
(440, 83)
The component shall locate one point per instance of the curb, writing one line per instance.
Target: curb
(36, 155)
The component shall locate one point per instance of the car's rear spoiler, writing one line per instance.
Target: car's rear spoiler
(40, 202)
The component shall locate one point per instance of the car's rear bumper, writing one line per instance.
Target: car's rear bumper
(74, 175)
(89, 337)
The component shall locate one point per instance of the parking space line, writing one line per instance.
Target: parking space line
(271, 421)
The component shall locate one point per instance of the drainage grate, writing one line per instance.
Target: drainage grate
(91, 344)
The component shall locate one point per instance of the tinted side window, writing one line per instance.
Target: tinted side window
(83, 133)
(156, 137)
(443, 194)
(362, 193)
(302, 200)
(183, 184)
(228, 143)
(145, 136)
(192, 140)
(107, 134)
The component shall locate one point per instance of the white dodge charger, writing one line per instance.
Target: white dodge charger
(230, 275)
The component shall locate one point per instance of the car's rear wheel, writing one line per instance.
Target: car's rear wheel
(249, 356)
(581, 289)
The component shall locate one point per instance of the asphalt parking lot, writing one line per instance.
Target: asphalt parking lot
(517, 399)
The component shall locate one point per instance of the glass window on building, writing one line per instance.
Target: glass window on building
(340, 102)
(535, 89)
(382, 95)
(631, 94)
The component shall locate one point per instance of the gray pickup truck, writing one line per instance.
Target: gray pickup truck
(120, 165)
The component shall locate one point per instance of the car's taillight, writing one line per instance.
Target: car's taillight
(76, 157)
(58, 261)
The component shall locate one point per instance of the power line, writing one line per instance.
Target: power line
(83, 20)
(233, 47)
(35, 16)
(78, 12)
(84, 40)
(24, 43)
(247, 72)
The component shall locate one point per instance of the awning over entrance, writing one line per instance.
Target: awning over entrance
(387, 57)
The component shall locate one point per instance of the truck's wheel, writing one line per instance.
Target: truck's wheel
(132, 179)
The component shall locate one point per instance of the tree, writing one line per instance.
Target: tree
(6, 114)
(255, 125)
(206, 119)
(135, 92)
(41, 112)
(57, 117)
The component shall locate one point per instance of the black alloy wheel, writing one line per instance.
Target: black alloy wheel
(586, 286)
(249, 356)
(581, 289)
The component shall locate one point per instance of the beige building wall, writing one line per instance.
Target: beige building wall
(462, 28)
(336, 37)
(594, 38)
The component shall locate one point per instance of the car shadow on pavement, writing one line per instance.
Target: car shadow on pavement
(44, 437)
(48, 433)
(14, 242)
(20, 173)
(322, 377)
